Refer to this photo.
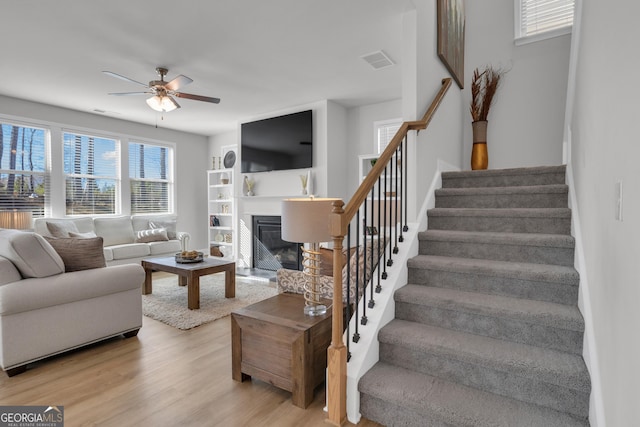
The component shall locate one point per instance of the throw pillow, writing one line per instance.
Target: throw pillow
(61, 228)
(326, 262)
(32, 255)
(79, 254)
(153, 235)
(87, 235)
(115, 231)
(168, 225)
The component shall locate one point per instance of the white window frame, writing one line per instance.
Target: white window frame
(520, 38)
(46, 173)
(117, 178)
(170, 174)
(377, 126)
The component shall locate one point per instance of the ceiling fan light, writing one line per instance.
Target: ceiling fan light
(155, 102)
(169, 104)
(162, 103)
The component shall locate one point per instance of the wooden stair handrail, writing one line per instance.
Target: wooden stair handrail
(339, 221)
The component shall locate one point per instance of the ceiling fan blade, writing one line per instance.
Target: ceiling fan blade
(118, 76)
(178, 82)
(130, 93)
(197, 97)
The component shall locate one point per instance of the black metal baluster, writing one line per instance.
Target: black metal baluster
(401, 194)
(384, 222)
(405, 163)
(395, 203)
(350, 310)
(368, 275)
(387, 208)
(380, 233)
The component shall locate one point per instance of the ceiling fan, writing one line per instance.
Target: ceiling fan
(163, 92)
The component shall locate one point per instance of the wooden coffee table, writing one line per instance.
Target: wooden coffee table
(189, 275)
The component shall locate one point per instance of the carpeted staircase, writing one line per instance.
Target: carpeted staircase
(487, 330)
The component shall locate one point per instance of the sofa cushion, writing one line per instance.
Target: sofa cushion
(34, 294)
(162, 248)
(131, 250)
(152, 235)
(79, 254)
(83, 224)
(32, 255)
(87, 235)
(61, 228)
(114, 231)
(8, 272)
(108, 254)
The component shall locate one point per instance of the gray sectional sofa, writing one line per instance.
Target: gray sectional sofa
(54, 300)
(127, 239)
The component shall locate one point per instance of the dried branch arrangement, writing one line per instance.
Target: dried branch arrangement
(484, 85)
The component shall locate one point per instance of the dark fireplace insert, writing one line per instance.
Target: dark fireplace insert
(269, 251)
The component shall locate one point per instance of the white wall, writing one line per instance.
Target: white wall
(604, 150)
(526, 121)
(421, 82)
(361, 138)
(191, 154)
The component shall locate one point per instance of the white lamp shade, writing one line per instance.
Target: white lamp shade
(17, 220)
(306, 220)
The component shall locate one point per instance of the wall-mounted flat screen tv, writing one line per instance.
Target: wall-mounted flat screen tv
(277, 143)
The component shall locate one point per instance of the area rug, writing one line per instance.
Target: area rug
(168, 302)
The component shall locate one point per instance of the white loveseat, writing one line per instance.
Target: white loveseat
(127, 239)
(46, 309)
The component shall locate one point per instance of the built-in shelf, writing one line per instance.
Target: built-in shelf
(222, 206)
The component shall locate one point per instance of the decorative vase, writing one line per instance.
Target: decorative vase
(479, 154)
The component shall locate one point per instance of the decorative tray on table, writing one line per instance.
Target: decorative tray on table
(186, 257)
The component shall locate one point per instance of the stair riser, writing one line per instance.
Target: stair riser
(495, 327)
(388, 414)
(495, 285)
(501, 224)
(498, 252)
(489, 379)
(503, 201)
(503, 180)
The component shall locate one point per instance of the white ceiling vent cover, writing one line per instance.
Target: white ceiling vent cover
(378, 60)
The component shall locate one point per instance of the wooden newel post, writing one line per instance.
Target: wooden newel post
(337, 352)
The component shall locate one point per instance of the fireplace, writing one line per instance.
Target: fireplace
(269, 251)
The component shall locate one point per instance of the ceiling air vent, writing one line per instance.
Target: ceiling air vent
(378, 60)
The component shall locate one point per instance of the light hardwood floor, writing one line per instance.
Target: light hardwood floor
(162, 377)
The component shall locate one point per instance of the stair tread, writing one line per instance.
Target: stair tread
(485, 191)
(551, 366)
(534, 312)
(455, 404)
(535, 170)
(509, 269)
(502, 212)
(504, 238)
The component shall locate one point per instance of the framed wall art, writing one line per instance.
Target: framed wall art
(451, 37)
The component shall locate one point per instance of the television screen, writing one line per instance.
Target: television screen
(277, 143)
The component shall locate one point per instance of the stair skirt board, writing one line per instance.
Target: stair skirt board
(487, 330)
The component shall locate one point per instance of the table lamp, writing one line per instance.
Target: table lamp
(17, 220)
(306, 220)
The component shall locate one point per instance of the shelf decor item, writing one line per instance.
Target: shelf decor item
(303, 180)
(484, 85)
(224, 178)
(249, 183)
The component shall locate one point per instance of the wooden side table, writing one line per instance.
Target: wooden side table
(274, 341)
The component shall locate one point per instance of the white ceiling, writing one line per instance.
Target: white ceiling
(258, 56)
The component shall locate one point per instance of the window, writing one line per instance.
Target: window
(150, 178)
(385, 131)
(91, 166)
(542, 19)
(23, 176)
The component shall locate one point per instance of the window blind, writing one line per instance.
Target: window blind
(385, 133)
(543, 16)
(150, 178)
(91, 167)
(24, 181)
